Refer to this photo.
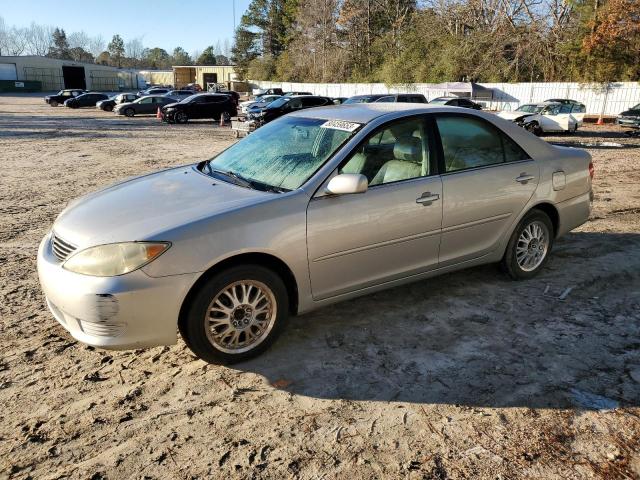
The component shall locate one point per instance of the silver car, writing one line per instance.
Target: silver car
(319, 206)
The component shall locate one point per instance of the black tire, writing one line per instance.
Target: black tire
(180, 117)
(193, 325)
(509, 261)
(53, 103)
(129, 112)
(108, 108)
(534, 128)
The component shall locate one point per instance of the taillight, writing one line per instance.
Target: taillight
(592, 170)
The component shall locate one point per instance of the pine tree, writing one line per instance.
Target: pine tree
(116, 50)
(60, 48)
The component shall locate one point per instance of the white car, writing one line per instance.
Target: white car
(263, 100)
(547, 116)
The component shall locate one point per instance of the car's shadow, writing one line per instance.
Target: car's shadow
(477, 338)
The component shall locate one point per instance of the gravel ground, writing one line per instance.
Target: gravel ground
(468, 375)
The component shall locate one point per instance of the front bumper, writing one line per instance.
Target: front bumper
(628, 122)
(124, 312)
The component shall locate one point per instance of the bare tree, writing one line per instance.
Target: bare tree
(134, 48)
(97, 45)
(39, 39)
(79, 40)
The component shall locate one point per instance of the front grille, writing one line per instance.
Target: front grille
(61, 249)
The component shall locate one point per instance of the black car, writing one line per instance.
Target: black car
(387, 97)
(456, 102)
(62, 96)
(109, 104)
(290, 94)
(284, 105)
(85, 100)
(202, 105)
(630, 118)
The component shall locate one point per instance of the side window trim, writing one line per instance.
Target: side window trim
(440, 150)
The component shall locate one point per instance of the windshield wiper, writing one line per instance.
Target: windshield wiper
(237, 179)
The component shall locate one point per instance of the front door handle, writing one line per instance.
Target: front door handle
(524, 178)
(427, 198)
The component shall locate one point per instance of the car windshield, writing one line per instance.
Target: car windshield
(636, 107)
(530, 108)
(358, 100)
(279, 102)
(440, 101)
(283, 154)
(189, 99)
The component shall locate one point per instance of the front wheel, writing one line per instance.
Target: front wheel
(534, 128)
(108, 108)
(129, 112)
(529, 247)
(180, 117)
(236, 315)
(53, 103)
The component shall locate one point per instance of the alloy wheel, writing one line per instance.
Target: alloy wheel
(240, 316)
(532, 246)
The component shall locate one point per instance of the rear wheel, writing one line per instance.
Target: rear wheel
(129, 112)
(53, 103)
(108, 108)
(529, 247)
(236, 315)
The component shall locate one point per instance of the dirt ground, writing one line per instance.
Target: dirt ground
(469, 375)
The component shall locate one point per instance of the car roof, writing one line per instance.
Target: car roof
(367, 112)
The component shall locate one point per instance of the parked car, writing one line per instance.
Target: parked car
(294, 94)
(577, 111)
(147, 105)
(234, 95)
(544, 117)
(62, 96)
(109, 104)
(259, 102)
(339, 100)
(153, 91)
(630, 118)
(387, 97)
(268, 91)
(286, 105)
(85, 100)
(179, 94)
(456, 102)
(314, 208)
(201, 105)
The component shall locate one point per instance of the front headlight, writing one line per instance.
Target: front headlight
(115, 258)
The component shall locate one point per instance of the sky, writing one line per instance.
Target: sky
(190, 24)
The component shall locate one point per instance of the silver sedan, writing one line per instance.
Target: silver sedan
(317, 207)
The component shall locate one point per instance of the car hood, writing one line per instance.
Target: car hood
(145, 208)
(174, 104)
(512, 114)
(631, 113)
(126, 104)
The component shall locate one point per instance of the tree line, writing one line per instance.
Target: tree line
(53, 42)
(407, 41)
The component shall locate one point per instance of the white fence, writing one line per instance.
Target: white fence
(606, 99)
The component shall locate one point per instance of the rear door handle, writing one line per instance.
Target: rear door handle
(427, 198)
(524, 178)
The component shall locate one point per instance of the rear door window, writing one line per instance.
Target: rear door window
(469, 142)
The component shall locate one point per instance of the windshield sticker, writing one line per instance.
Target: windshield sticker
(341, 125)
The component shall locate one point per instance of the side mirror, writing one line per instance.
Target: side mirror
(347, 183)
